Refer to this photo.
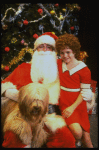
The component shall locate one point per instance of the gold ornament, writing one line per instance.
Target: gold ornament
(61, 16)
(2, 66)
(52, 12)
(64, 9)
(13, 40)
(53, 33)
(83, 56)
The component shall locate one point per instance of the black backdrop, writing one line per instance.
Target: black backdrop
(88, 23)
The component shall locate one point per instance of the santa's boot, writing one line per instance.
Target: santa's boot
(62, 138)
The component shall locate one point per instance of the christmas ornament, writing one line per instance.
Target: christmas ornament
(72, 28)
(6, 68)
(64, 10)
(52, 12)
(2, 66)
(56, 5)
(61, 16)
(7, 49)
(13, 40)
(25, 22)
(4, 27)
(40, 11)
(22, 42)
(35, 36)
(83, 56)
(53, 33)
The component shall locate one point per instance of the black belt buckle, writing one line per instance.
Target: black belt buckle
(51, 109)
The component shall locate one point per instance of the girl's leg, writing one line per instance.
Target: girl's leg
(86, 140)
(76, 130)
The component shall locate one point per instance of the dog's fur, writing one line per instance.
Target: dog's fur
(27, 113)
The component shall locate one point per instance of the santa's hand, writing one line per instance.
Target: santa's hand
(87, 94)
(12, 94)
(68, 111)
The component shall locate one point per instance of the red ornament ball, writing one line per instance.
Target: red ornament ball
(56, 5)
(7, 49)
(40, 11)
(6, 68)
(72, 28)
(35, 36)
(25, 22)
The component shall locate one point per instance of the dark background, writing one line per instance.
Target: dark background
(88, 24)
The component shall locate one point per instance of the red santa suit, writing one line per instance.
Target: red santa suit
(72, 82)
(60, 135)
(62, 138)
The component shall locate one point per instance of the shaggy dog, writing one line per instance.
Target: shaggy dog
(26, 117)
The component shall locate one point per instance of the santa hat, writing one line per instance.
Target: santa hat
(47, 37)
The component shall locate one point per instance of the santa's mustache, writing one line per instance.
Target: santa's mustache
(45, 53)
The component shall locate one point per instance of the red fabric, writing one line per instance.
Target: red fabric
(93, 85)
(73, 81)
(11, 140)
(63, 138)
(50, 34)
(20, 76)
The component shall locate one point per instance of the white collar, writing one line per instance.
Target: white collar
(75, 69)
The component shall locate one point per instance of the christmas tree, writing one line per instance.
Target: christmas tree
(22, 23)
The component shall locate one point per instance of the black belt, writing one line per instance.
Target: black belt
(53, 108)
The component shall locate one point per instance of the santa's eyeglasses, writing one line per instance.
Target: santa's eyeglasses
(45, 47)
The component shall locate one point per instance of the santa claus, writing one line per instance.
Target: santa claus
(42, 69)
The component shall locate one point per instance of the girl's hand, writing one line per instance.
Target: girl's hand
(68, 111)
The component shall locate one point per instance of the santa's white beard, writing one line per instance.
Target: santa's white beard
(44, 67)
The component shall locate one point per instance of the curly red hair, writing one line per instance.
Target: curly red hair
(68, 40)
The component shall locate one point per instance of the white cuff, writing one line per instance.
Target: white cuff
(85, 86)
(12, 94)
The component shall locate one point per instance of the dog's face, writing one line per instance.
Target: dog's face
(33, 102)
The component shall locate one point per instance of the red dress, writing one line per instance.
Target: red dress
(70, 82)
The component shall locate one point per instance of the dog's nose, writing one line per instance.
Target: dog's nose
(36, 110)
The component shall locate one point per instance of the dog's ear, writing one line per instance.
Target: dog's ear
(23, 107)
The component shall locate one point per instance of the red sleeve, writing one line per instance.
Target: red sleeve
(13, 77)
(11, 140)
(85, 76)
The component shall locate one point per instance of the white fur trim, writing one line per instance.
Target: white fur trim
(44, 39)
(54, 122)
(92, 102)
(54, 91)
(28, 146)
(85, 86)
(7, 85)
(12, 94)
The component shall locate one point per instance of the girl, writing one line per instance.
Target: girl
(74, 76)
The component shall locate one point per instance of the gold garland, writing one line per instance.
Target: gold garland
(21, 54)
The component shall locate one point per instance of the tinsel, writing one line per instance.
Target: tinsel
(20, 56)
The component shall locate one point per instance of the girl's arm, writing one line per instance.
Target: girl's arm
(69, 110)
